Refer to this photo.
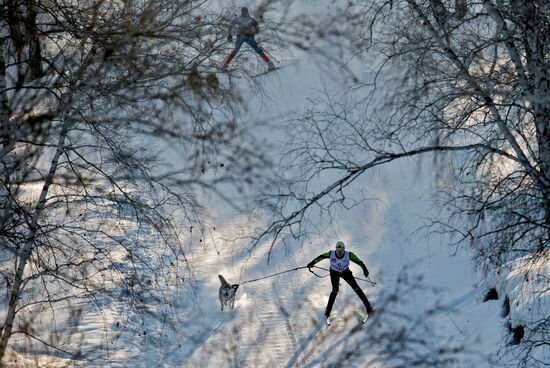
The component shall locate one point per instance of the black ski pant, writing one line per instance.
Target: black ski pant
(348, 277)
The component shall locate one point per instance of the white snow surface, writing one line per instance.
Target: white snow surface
(278, 321)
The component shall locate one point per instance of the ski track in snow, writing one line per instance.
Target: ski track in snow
(271, 324)
(278, 322)
(276, 331)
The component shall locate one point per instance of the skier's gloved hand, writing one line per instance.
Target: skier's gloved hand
(366, 272)
(229, 38)
(310, 264)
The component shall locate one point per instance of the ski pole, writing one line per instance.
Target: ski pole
(372, 283)
(319, 276)
(357, 278)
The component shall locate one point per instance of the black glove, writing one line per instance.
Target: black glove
(230, 38)
(366, 272)
(310, 264)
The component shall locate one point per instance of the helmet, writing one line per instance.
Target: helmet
(340, 245)
(244, 11)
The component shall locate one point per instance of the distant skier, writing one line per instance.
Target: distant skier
(246, 27)
(339, 267)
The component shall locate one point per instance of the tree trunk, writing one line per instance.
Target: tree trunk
(27, 249)
(35, 55)
(542, 123)
(16, 38)
(4, 114)
(23, 33)
(535, 43)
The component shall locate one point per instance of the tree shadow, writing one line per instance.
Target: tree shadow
(304, 345)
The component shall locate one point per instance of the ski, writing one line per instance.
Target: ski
(272, 70)
(267, 71)
(367, 316)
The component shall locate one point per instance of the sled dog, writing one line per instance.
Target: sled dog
(227, 293)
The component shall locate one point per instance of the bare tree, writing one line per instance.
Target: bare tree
(88, 204)
(465, 81)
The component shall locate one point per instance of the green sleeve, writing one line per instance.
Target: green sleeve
(356, 260)
(321, 257)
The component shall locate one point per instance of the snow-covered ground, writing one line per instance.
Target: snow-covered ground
(277, 322)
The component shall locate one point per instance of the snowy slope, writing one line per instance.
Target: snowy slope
(277, 322)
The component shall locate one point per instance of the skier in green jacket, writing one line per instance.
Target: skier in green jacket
(339, 267)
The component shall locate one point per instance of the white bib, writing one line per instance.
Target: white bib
(339, 264)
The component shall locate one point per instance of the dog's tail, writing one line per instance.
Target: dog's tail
(222, 280)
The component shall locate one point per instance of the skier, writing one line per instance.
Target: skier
(339, 267)
(246, 27)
